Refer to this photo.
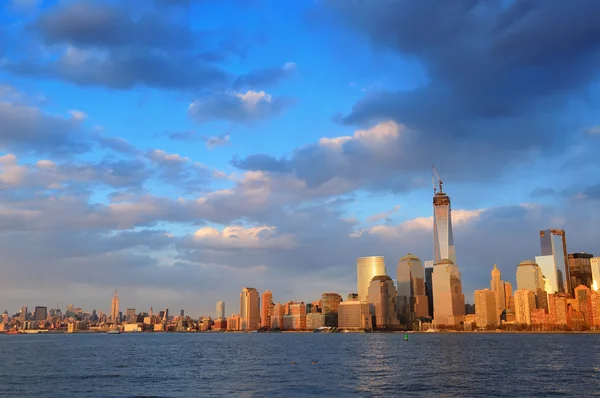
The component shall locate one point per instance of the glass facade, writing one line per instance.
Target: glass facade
(580, 269)
(366, 269)
(553, 243)
(442, 229)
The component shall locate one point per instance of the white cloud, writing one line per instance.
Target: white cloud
(78, 115)
(252, 98)
(239, 237)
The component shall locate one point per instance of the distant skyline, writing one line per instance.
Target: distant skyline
(178, 150)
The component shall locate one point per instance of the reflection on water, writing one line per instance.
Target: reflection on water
(303, 364)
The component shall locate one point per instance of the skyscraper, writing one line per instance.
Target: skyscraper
(524, 304)
(249, 309)
(448, 298)
(114, 308)
(508, 296)
(443, 239)
(220, 314)
(554, 243)
(412, 301)
(330, 303)
(40, 313)
(429, 286)
(497, 286)
(266, 310)
(24, 313)
(580, 269)
(584, 299)
(381, 297)
(366, 269)
(529, 277)
(486, 310)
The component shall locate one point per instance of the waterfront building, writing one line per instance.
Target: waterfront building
(249, 309)
(277, 317)
(497, 286)
(524, 304)
(412, 301)
(584, 302)
(354, 314)
(298, 314)
(595, 298)
(330, 303)
(449, 300)
(442, 227)
(381, 297)
(558, 309)
(220, 324)
(5, 317)
(553, 243)
(470, 322)
(469, 309)
(595, 267)
(580, 269)
(529, 277)
(220, 313)
(366, 269)
(266, 310)
(288, 322)
(315, 320)
(234, 322)
(429, 287)
(508, 296)
(114, 308)
(486, 310)
(40, 313)
(540, 319)
(23, 313)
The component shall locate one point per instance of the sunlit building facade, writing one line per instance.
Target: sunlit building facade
(277, 317)
(354, 314)
(298, 315)
(553, 243)
(524, 304)
(448, 298)
(584, 301)
(486, 310)
(595, 298)
(530, 277)
(595, 267)
(249, 309)
(330, 303)
(412, 301)
(382, 301)
(266, 310)
(367, 268)
(442, 228)
(220, 310)
(114, 308)
(558, 309)
(497, 286)
(509, 302)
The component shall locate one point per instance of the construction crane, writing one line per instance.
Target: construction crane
(438, 178)
(433, 183)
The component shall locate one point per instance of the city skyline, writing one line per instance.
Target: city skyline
(179, 151)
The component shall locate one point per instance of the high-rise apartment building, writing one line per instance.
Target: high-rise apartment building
(266, 309)
(530, 277)
(486, 310)
(595, 298)
(580, 269)
(277, 317)
(249, 309)
(497, 286)
(114, 308)
(367, 268)
(130, 315)
(442, 227)
(554, 243)
(595, 267)
(448, 298)
(298, 315)
(220, 310)
(558, 309)
(524, 304)
(23, 313)
(412, 300)
(382, 301)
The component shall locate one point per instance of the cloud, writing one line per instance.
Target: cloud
(384, 215)
(216, 141)
(184, 136)
(593, 130)
(265, 77)
(116, 144)
(29, 129)
(239, 237)
(238, 107)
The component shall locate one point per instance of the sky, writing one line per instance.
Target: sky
(179, 150)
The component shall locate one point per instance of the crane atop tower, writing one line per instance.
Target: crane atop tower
(440, 182)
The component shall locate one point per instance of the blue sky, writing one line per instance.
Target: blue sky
(181, 150)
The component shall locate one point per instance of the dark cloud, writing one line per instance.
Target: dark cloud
(593, 192)
(238, 108)
(261, 78)
(216, 141)
(116, 144)
(543, 192)
(184, 136)
(262, 162)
